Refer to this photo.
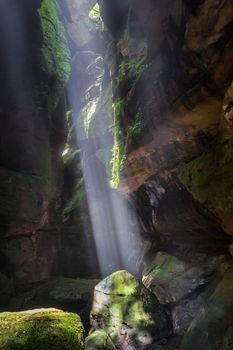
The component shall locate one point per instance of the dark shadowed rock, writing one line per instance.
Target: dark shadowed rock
(213, 327)
(171, 278)
(69, 294)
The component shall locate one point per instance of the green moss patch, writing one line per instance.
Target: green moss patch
(47, 329)
(122, 140)
(99, 340)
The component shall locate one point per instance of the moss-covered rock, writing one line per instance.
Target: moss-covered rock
(171, 278)
(99, 340)
(209, 177)
(41, 329)
(127, 311)
(55, 53)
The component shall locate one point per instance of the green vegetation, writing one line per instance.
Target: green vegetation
(118, 150)
(55, 53)
(47, 329)
(121, 142)
(131, 70)
(69, 152)
(76, 200)
(99, 340)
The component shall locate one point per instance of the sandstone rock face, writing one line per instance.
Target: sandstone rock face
(174, 140)
(128, 312)
(34, 71)
(41, 329)
(204, 176)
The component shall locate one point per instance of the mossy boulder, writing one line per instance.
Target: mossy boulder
(213, 327)
(47, 329)
(99, 340)
(127, 311)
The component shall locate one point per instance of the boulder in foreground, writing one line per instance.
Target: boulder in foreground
(47, 329)
(129, 314)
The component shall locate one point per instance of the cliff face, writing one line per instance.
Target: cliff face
(35, 66)
(172, 92)
(147, 87)
(131, 103)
